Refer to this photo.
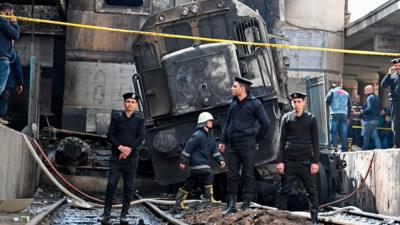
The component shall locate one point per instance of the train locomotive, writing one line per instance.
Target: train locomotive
(179, 78)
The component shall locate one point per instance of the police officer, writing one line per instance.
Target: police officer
(241, 134)
(392, 79)
(298, 155)
(126, 133)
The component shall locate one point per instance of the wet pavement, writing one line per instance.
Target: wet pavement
(66, 215)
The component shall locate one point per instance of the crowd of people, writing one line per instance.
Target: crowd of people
(11, 75)
(364, 125)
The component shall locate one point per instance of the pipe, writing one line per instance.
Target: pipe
(372, 215)
(164, 215)
(323, 219)
(80, 202)
(51, 177)
(341, 210)
(38, 218)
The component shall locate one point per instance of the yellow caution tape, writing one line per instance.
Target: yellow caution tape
(163, 35)
(379, 128)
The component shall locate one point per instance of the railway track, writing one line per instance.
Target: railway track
(355, 216)
(151, 214)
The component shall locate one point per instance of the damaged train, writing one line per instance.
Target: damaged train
(177, 79)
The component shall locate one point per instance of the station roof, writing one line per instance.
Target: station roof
(383, 20)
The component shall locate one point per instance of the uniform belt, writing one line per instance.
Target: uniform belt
(301, 161)
(4, 58)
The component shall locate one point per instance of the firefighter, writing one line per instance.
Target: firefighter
(240, 133)
(126, 133)
(298, 155)
(196, 156)
(392, 79)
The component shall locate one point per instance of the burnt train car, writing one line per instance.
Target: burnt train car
(179, 78)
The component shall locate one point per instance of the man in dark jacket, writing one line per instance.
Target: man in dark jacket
(15, 78)
(241, 134)
(298, 155)
(392, 80)
(126, 133)
(197, 153)
(370, 116)
(9, 31)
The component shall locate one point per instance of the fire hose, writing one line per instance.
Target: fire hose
(363, 179)
(79, 202)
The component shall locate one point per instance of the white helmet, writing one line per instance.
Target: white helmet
(204, 117)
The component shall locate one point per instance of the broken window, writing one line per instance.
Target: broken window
(214, 27)
(146, 57)
(174, 44)
(128, 3)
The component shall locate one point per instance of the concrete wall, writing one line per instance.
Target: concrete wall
(19, 174)
(320, 25)
(381, 191)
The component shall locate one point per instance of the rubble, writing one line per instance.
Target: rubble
(203, 213)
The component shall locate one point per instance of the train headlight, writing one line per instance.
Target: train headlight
(185, 11)
(161, 18)
(195, 9)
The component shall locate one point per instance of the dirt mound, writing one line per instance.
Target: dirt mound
(202, 213)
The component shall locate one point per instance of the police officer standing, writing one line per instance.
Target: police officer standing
(298, 155)
(126, 133)
(241, 134)
(392, 79)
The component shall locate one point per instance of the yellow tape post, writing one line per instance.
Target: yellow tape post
(163, 35)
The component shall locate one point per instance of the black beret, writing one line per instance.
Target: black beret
(394, 61)
(298, 94)
(243, 80)
(130, 95)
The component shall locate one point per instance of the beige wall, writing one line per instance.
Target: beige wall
(316, 24)
(321, 14)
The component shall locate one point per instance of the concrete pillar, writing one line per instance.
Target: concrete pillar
(321, 25)
(19, 173)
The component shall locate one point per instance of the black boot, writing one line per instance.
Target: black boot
(231, 205)
(124, 212)
(314, 216)
(246, 204)
(105, 219)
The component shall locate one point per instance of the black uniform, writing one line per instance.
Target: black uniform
(200, 148)
(241, 134)
(299, 147)
(127, 132)
(393, 80)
